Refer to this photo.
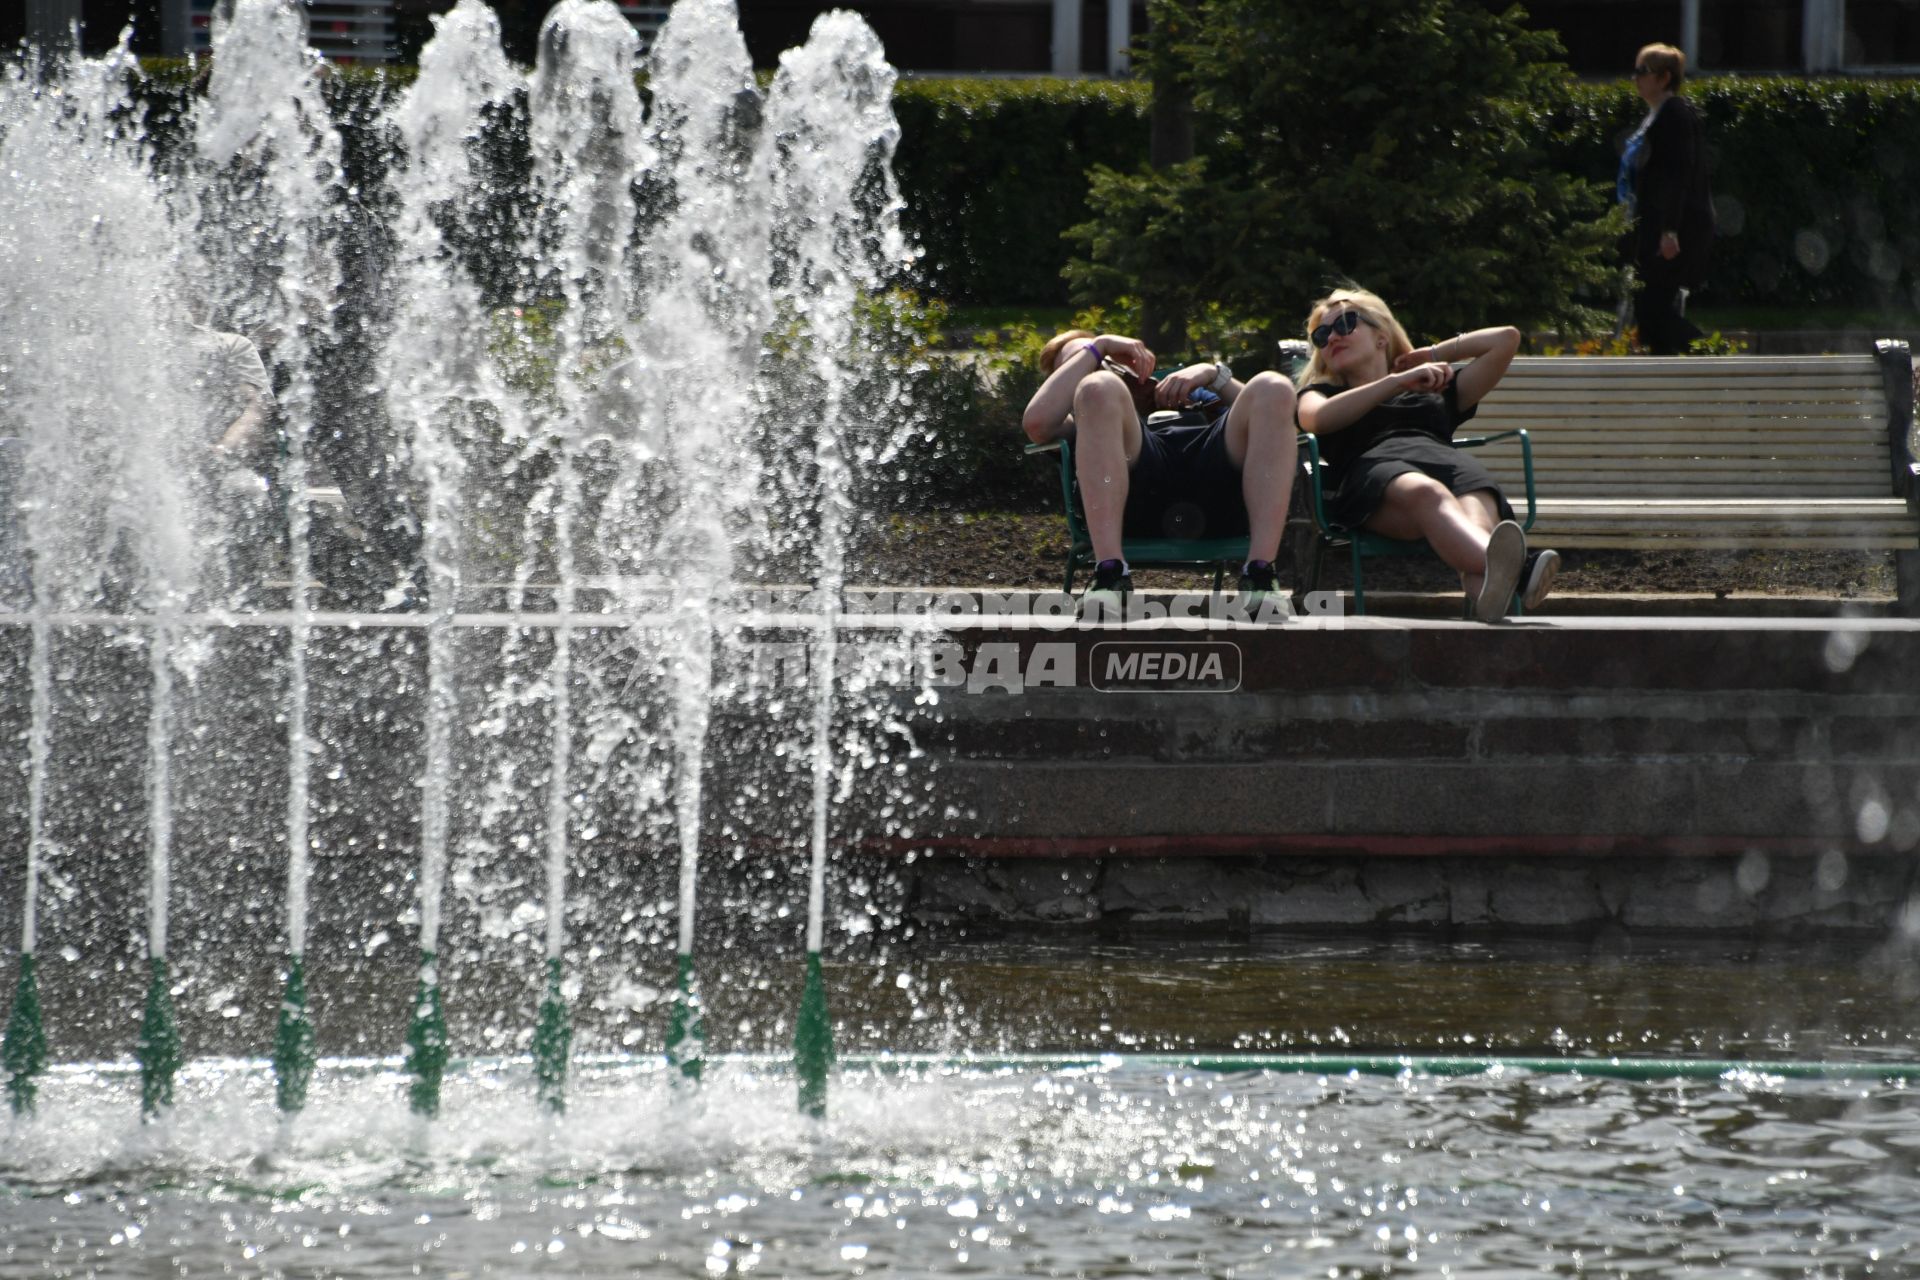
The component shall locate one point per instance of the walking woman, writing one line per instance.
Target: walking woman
(1663, 180)
(1385, 412)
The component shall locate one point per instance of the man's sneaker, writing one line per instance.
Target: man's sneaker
(1537, 578)
(1506, 557)
(1259, 593)
(1106, 599)
(1256, 578)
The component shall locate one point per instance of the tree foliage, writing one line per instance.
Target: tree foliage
(1399, 144)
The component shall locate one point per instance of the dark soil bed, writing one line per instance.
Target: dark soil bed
(1020, 550)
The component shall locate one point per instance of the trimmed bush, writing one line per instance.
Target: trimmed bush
(994, 170)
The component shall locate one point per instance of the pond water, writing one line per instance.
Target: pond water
(1126, 1164)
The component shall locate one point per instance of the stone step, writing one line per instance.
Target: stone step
(1472, 727)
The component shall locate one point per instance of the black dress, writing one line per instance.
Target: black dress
(1412, 431)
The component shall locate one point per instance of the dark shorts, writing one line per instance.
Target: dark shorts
(1185, 486)
(1363, 487)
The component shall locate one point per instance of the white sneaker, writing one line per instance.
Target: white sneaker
(1506, 557)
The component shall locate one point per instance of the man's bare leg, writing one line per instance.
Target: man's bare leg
(1107, 439)
(1262, 442)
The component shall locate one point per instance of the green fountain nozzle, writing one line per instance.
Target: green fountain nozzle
(686, 1032)
(813, 1041)
(426, 1042)
(26, 1048)
(552, 1038)
(159, 1047)
(293, 1052)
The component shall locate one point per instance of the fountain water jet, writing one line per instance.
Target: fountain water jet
(703, 312)
(688, 298)
(263, 150)
(827, 167)
(435, 368)
(107, 516)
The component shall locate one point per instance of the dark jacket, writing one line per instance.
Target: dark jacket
(1671, 194)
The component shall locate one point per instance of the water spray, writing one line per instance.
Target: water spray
(433, 366)
(553, 1032)
(823, 162)
(813, 1026)
(692, 681)
(262, 127)
(159, 1046)
(584, 114)
(293, 1046)
(427, 1031)
(26, 1042)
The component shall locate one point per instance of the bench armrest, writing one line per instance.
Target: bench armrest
(1474, 442)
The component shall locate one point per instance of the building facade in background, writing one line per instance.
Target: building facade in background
(1056, 37)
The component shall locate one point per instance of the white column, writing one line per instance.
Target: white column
(176, 28)
(1690, 32)
(1066, 37)
(50, 22)
(1119, 35)
(1823, 37)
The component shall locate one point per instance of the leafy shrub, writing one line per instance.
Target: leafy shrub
(1399, 144)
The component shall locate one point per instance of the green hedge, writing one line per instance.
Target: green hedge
(1817, 183)
(994, 170)
(1817, 180)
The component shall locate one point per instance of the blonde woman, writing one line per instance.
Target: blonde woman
(1384, 412)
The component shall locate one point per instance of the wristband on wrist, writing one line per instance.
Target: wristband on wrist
(1094, 347)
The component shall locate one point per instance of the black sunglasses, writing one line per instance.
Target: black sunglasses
(1343, 324)
(1643, 71)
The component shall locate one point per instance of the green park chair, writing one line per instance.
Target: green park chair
(1218, 554)
(1361, 544)
(1310, 532)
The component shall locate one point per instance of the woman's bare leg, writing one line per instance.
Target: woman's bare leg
(1418, 506)
(1485, 513)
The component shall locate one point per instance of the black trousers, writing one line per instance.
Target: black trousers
(1656, 309)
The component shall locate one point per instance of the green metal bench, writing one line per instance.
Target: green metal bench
(1311, 532)
(1218, 554)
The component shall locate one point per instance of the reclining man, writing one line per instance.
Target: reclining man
(1223, 468)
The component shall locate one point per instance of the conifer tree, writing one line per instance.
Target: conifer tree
(1399, 144)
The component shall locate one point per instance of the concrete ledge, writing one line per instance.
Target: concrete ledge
(1755, 892)
(1123, 848)
(1607, 773)
(1649, 757)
